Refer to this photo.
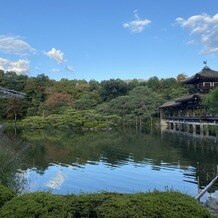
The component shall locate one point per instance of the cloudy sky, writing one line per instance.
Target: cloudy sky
(95, 39)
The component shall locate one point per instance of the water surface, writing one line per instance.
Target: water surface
(121, 160)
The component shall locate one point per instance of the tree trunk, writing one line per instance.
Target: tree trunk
(140, 124)
(151, 124)
(15, 118)
(136, 123)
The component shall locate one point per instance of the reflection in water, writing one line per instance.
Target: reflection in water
(119, 160)
(56, 181)
(10, 162)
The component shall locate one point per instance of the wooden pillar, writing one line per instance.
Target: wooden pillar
(194, 129)
(201, 129)
(168, 125)
(174, 125)
(180, 126)
(206, 130)
(187, 128)
(161, 113)
(193, 112)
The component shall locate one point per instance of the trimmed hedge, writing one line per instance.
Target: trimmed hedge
(6, 194)
(114, 205)
(37, 205)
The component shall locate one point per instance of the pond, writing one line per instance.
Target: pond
(120, 160)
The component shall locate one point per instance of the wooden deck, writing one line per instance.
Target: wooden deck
(196, 125)
(194, 119)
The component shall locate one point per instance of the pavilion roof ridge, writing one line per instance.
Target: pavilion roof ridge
(206, 72)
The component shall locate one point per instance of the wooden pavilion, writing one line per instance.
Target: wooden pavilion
(187, 112)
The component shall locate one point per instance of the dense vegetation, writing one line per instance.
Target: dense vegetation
(211, 101)
(155, 204)
(82, 104)
(6, 194)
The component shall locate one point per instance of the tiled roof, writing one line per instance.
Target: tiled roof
(171, 104)
(206, 72)
(188, 97)
(179, 101)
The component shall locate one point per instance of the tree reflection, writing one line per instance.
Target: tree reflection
(116, 148)
(11, 161)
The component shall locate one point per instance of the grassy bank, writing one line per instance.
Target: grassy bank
(154, 204)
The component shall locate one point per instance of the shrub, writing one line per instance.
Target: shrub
(55, 120)
(37, 205)
(155, 204)
(34, 122)
(91, 124)
(6, 194)
(103, 125)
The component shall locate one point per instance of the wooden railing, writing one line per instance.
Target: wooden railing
(208, 119)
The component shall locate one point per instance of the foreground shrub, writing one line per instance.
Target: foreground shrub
(156, 204)
(37, 205)
(6, 194)
(114, 205)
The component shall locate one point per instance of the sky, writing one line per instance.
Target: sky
(105, 39)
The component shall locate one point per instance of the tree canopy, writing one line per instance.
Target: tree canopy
(133, 101)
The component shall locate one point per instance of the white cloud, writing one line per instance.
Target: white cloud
(55, 70)
(37, 68)
(3, 62)
(191, 42)
(204, 29)
(56, 55)
(137, 25)
(69, 68)
(14, 45)
(20, 67)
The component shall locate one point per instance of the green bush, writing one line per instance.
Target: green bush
(96, 124)
(55, 120)
(156, 204)
(91, 124)
(115, 205)
(34, 122)
(6, 194)
(102, 125)
(37, 205)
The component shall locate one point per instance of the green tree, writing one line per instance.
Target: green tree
(15, 108)
(153, 83)
(113, 88)
(211, 101)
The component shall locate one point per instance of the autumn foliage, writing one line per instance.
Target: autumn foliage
(59, 99)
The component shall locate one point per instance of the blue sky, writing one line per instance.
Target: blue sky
(102, 39)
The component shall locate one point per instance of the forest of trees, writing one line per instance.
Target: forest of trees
(78, 103)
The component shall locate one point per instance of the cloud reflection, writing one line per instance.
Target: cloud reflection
(56, 181)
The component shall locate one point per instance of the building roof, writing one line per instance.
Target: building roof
(180, 101)
(205, 73)
(188, 97)
(170, 104)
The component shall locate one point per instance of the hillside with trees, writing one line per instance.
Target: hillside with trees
(87, 104)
